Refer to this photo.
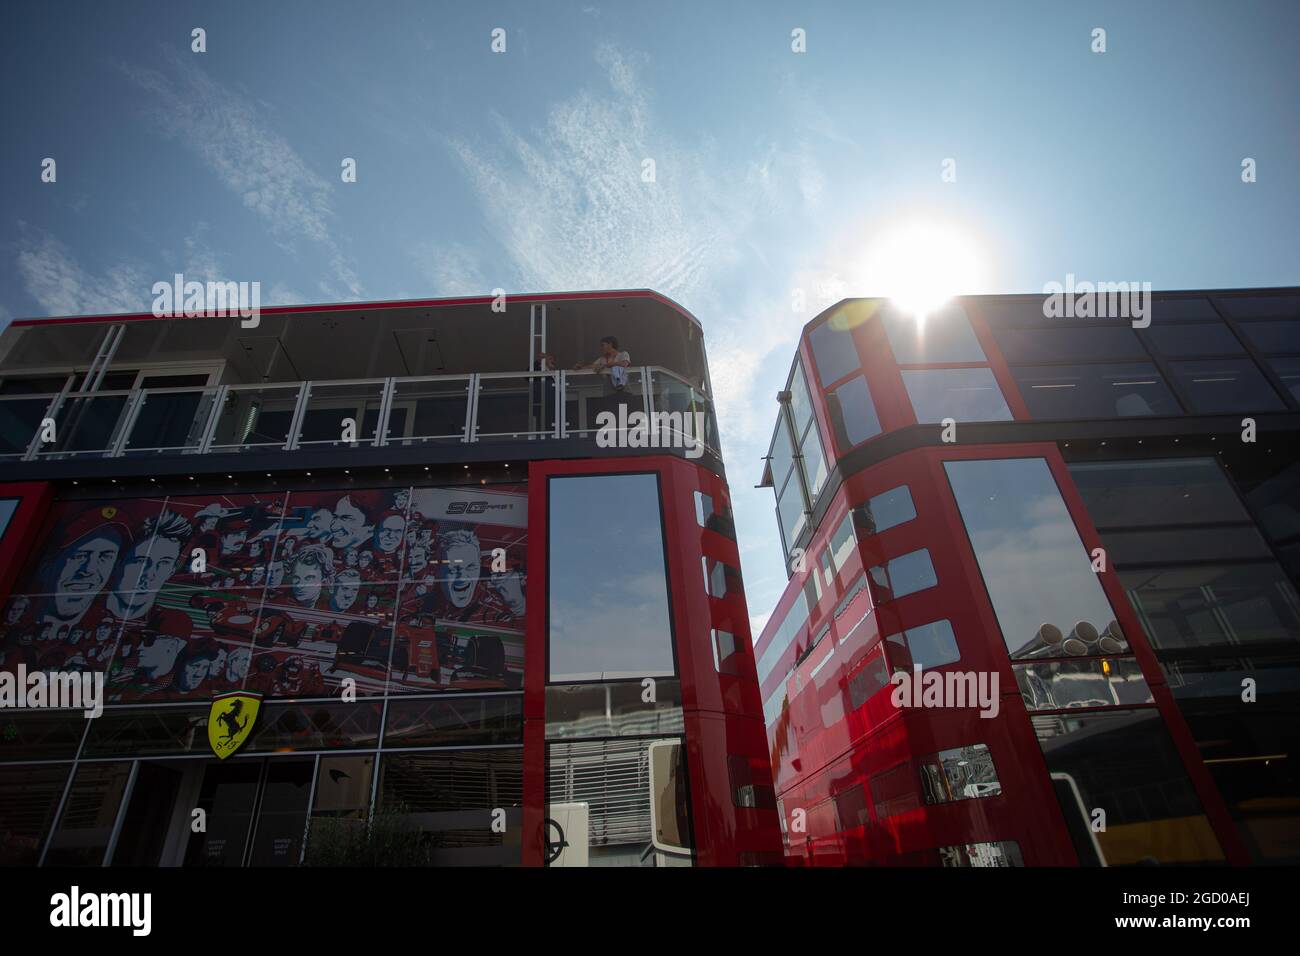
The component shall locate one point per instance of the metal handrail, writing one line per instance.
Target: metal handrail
(642, 383)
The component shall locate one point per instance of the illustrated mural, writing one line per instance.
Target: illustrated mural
(288, 595)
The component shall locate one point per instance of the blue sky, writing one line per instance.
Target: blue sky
(523, 170)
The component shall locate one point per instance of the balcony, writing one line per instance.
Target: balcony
(348, 414)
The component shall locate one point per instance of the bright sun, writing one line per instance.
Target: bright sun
(921, 265)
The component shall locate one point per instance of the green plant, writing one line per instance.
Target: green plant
(389, 838)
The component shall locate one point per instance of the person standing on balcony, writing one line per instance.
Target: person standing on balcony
(612, 363)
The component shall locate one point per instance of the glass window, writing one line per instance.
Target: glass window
(1226, 385)
(794, 622)
(812, 590)
(714, 514)
(885, 511)
(1116, 343)
(1274, 337)
(843, 542)
(461, 722)
(1038, 575)
(1288, 370)
(612, 710)
(89, 815)
(945, 336)
(962, 394)
(726, 652)
(962, 773)
(813, 462)
(608, 601)
(1090, 682)
(29, 796)
(720, 578)
(1261, 306)
(1124, 763)
(853, 414)
(1159, 545)
(827, 568)
(1137, 494)
(997, 853)
(871, 678)
(791, 512)
(852, 808)
(748, 788)
(782, 452)
(1095, 391)
(801, 409)
(1205, 338)
(903, 575)
(453, 796)
(927, 646)
(834, 352)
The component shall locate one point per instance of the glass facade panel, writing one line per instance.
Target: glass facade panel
(834, 352)
(791, 511)
(1226, 385)
(714, 514)
(1102, 342)
(962, 394)
(28, 798)
(1039, 577)
(1124, 763)
(1203, 338)
(451, 796)
(1288, 370)
(943, 337)
(853, 413)
(88, 815)
(608, 602)
(454, 722)
(843, 541)
(813, 463)
(1273, 338)
(1094, 391)
(1136, 494)
(1060, 685)
(801, 408)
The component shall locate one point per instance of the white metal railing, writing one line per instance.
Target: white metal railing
(346, 413)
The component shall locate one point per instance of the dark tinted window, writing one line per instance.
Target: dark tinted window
(790, 511)
(813, 462)
(801, 409)
(853, 414)
(1288, 370)
(1125, 763)
(1118, 343)
(1261, 306)
(714, 514)
(1201, 339)
(1274, 337)
(608, 601)
(945, 336)
(1226, 385)
(1135, 494)
(962, 394)
(1095, 391)
(833, 351)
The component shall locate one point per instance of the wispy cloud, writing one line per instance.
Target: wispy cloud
(231, 136)
(53, 277)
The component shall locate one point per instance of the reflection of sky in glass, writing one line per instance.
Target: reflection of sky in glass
(962, 394)
(608, 588)
(1034, 564)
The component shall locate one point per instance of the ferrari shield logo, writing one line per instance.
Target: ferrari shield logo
(230, 721)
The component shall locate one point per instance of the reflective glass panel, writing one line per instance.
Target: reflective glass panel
(853, 414)
(608, 601)
(962, 394)
(1226, 385)
(1039, 577)
(1094, 391)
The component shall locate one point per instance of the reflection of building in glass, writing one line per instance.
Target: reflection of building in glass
(394, 525)
(1108, 516)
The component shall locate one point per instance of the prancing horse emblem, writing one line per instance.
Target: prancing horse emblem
(230, 721)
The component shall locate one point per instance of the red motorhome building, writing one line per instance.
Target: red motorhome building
(466, 616)
(1103, 515)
